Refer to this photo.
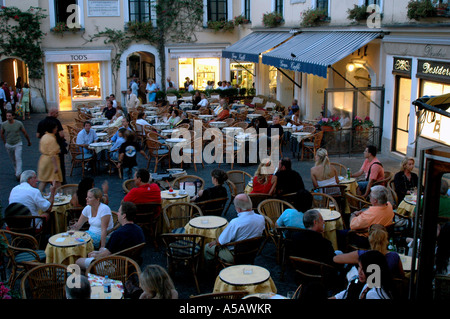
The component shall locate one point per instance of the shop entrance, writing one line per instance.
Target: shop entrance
(242, 75)
(201, 70)
(78, 83)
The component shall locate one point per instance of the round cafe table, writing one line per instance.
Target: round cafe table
(217, 124)
(301, 135)
(174, 141)
(333, 222)
(96, 283)
(251, 278)
(100, 146)
(407, 206)
(205, 117)
(174, 197)
(65, 249)
(161, 126)
(59, 209)
(351, 184)
(209, 226)
(99, 127)
(232, 129)
(102, 135)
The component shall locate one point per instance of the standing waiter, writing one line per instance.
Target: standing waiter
(42, 128)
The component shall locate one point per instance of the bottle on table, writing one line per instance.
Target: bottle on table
(107, 287)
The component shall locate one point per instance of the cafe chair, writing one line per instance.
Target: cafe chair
(289, 197)
(113, 163)
(322, 200)
(73, 214)
(115, 267)
(79, 157)
(134, 252)
(232, 189)
(67, 189)
(272, 209)
(337, 192)
(19, 219)
(244, 252)
(147, 217)
(385, 180)
(22, 252)
(257, 198)
(284, 244)
(184, 249)
(47, 281)
(311, 144)
(311, 271)
(128, 185)
(171, 99)
(177, 215)
(158, 151)
(215, 207)
(192, 184)
(240, 179)
(227, 295)
(356, 202)
(341, 169)
(240, 122)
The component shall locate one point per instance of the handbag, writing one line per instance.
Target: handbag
(19, 110)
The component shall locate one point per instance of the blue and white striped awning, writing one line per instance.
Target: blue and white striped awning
(313, 51)
(250, 47)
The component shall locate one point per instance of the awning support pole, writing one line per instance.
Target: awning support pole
(284, 73)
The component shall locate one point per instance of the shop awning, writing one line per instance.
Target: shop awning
(250, 47)
(313, 51)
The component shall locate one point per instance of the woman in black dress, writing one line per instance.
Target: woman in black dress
(405, 181)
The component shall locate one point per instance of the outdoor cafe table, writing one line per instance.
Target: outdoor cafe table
(332, 222)
(98, 120)
(173, 197)
(209, 226)
(151, 108)
(206, 117)
(186, 106)
(168, 131)
(150, 112)
(233, 129)
(99, 127)
(217, 124)
(193, 111)
(253, 115)
(60, 205)
(96, 283)
(100, 146)
(351, 184)
(65, 249)
(251, 278)
(287, 128)
(102, 135)
(160, 126)
(407, 206)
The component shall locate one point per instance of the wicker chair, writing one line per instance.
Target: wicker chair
(115, 267)
(239, 179)
(147, 217)
(311, 144)
(244, 251)
(128, 185)
(79, 157)
(341, 169)
(178, 182)
(47, 281)
(67, 189)
(214, 206)
(134, 253)
(158, 151)
(177, 215)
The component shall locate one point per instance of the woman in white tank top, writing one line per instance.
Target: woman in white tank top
(323, 174)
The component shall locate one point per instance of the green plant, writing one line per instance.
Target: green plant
(222, 25)
(357, 13)
(21, 36)
(272, 19)
(312, 17)
(420, 9)
(61, 27)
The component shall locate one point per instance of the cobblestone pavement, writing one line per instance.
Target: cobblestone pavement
(182, 278)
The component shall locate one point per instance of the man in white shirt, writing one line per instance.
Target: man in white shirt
(246, 225)
(169, 80)
(30, 196)
(135, 86)
(112, 98)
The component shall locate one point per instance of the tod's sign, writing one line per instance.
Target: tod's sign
(433, 69)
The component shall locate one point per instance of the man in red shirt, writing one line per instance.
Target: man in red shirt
(144, 192)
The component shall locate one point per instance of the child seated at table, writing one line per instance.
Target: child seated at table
(114, 151)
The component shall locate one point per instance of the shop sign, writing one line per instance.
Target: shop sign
(77, 57)
(402, 66)
(103, 8)
(438, 70)
(289, 65)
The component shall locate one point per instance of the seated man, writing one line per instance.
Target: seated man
(85, 137)
(372, 170)
(380, 212)
(311, 244)
(246, 225)
(109, 111)
(144, 192)
(288, 180)
(30, 196)
(127, 235)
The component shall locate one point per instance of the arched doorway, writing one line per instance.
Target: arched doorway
(142, 65)
(15, 73)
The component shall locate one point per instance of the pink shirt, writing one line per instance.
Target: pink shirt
(376, 172)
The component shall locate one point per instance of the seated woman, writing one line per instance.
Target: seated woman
(218, 178)
(294, 217)
(174, 118)
(405, 180)
(99, 217)
(116, 120)
(87, 183)
(141, 119)
(156, 284)
(323, 174)
(203, 101)
(264, 182)
(378, 240)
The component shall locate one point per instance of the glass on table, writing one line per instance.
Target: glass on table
(70, 227)
(331, 206)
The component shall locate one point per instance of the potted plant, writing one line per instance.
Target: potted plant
(441, 9)
(7, 293)
(362, 125)
(420, 9)
(357, 13)
(313, 17)
(272, 19)
(221, 25)
(241, 20)
(329, 124)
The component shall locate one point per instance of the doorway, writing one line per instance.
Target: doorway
(402, 114)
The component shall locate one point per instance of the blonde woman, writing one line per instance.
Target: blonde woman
(405, 180)
(156, 284)
(323, 174)
(99, 217)
(264, 182)
(378, 240)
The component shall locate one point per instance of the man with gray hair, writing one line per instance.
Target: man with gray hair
(246, 225)
(381, 212)
(30, 196)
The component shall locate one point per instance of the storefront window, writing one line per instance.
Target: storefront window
(78, 82)
(242, 75)
(200, 70)
(435, 126)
